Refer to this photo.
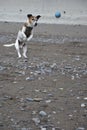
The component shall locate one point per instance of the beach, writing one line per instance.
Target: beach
(47, 91)
(53, 80)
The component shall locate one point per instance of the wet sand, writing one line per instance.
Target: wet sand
(53, 79)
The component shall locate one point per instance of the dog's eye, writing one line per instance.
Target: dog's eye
(33, 19)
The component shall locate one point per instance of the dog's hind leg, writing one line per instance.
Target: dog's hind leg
(24, 50)
(18, 48)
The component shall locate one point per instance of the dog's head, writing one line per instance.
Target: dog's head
(33, 19)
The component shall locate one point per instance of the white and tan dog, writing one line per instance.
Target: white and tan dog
(25, 34)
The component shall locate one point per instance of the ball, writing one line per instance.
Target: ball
(57, 14)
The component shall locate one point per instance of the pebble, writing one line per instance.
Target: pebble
(22, 109)
(30, 78)
(68, 67)
(54, 112)
(34, 112)
(21, 88)
(30, 99)
(1, 124)
(80, 128)
(70, 117)
(78, 97)
(14, 82)
(2, 68)
(48, 101)
(72, 77)
(53, 129)
(77, 58)
(44, 91)
(36, 90)
(54, 66)
(85, 98)
(0, 105)
(43, 129)
(50, 95)
(83, 105)
(23, 128)
(36, 120)
(54, 80)
(37, 99)
(61, 89)
(77, 76)
(42, 113)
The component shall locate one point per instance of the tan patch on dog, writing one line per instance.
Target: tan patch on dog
(31, 19)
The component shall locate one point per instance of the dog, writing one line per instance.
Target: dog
(25, 34)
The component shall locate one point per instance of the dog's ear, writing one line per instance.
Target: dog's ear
(38, 16)
(29, 15)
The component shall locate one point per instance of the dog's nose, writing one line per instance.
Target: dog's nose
(35, 24)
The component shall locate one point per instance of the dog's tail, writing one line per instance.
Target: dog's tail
(9, 45)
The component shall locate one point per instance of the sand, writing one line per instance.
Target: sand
(53, 79)
(48, 91)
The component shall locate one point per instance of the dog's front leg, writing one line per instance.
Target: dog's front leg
(18, 48)
(28, 39)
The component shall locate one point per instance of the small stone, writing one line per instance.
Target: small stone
(70, 117)
(30, 99)
(22, 109)
(2, 68)
(34, 112)
(68, 67)
(42, 113)
(54, 80)
(54, 66)
(44, 91)
(23, 128)
(50, 95)
(43, 129)
(72, 77)
(78, 97)
(30, 78)
(12, 119)
(77, 76)
(37, 90)
(64, 12)
(54, 112)
(61, 89)
(1, 124)
(0, 105)
(37, 72)
(36, 120)
(80, 128)
(37, 99)
(14, 82)
(21, 88)
(20, 10)
(77, 58)
(83, 105)
(48, 101)
(53, 128)
(85, 98)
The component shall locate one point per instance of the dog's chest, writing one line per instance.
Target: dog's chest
(28, 31)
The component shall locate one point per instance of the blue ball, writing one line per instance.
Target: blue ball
(57, 14)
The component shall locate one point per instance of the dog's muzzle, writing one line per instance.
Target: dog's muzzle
(35, 24)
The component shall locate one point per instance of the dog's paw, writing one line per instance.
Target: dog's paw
(25, 56)
(19, 56)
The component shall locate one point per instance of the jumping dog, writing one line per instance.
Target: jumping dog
(25, 34)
